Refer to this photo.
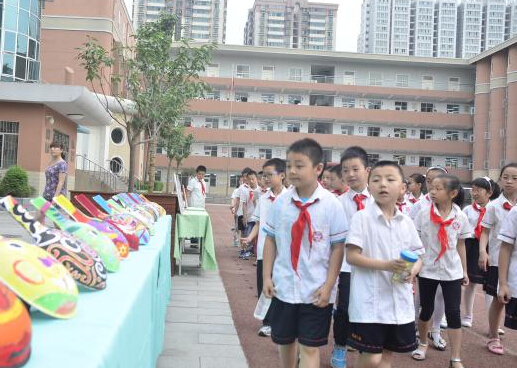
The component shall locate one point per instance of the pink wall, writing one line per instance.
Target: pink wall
(511, 120)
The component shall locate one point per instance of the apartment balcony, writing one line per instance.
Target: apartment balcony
(331, 114)
(341, 85)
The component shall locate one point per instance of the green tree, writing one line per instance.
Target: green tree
(178, 147)
(159, 76)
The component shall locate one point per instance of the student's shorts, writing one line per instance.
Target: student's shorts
(305, 322)
(476, 274)
(510, 319)
(240, 224)
(373, 338)
(492, 281)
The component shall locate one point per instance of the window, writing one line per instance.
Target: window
(402, 80)
(349, 78)
(234, 181)
(64, 139)
(427, 82)
(451, 162)
(349, 102)
(400, 105)
(426, 134)
(427, 107)
(241, 96)
(268, 97)
(211, 179)
(373, 131)
(212, 70)
(268, 72)
(452, 135)
(238, 152)
(267, 126)
(347, 129)
(453, 109)
(265, 153)
(214, 95)
(210, 151)
(8, 144)
(454, 84)
(117, 135)
(293, 127)
(400, 159)
(239, 124)
(425, 161)
(375, 79)
(373, 158)
(400, 132)
(116, 165)
(295, 74)
(374, 104)
(294, 99)
(242, 71)
(212, 123)
(158, 176)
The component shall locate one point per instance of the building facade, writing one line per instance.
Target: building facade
(291, 24)
(437, 28)
(417, 111)
(20, 40)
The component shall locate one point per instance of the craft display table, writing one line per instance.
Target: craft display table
(121, 326)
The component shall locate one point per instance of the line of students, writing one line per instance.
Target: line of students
(302, 232)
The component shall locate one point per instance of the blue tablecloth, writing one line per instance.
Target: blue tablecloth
(121, 326)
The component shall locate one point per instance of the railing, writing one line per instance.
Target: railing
(106, 176)
(122, 173)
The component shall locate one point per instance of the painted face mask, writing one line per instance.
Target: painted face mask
(160, 209)
(15, 330)
(104, 247)
(83, 263)
(38, 278)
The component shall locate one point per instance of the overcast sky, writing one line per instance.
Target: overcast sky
(348, 21)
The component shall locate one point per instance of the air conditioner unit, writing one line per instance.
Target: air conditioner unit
(471, 165)
(471, 138)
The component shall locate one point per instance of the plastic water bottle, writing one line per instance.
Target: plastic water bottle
(262, 307)
(409, 259)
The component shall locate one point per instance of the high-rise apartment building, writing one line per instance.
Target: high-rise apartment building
(437, 28)
(292, 24)
(201, 20)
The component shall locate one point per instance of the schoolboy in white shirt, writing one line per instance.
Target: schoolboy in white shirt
(302, 256)
(274, 174)
(354, 166)
(381, 312)
(196, 188)
(508, 268)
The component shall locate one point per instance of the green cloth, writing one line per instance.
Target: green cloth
(194, 223)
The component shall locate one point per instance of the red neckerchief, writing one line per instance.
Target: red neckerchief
(507, 206)
(481, 210)
(413, 200)
(263, 190)
(337, 192)
(442, 233)
(401, 205)
(358, 199)
(202, 182)
(251, 194)
(304, 218)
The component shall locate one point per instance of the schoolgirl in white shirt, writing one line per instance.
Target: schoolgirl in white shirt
(508, 268)
(403, 203)
(496, 212)
(483, 190)
(443, 228)
(416, 188)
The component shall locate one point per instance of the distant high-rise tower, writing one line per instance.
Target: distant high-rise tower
(437, 28)
(201, 20)
(292, 24)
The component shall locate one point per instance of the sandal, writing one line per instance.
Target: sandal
(419, 354)
(439, 344)
(455, 360)
(495, 347)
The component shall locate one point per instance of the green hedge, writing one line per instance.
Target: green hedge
(158, 186)
(15, 182)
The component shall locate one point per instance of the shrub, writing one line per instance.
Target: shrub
(15, 182)
(144, 187)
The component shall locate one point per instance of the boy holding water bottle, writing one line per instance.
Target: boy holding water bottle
(382, 318)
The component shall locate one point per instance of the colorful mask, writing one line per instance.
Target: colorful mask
(141, 198)
(104, 247)
(104, 227)
(142, 216)
(15, 330)
(83, 263)
(125, 201)
(38, 278)
(133, 200)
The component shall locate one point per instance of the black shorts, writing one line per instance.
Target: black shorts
(476, 274)
(305, 322)
(492, 281)
(240, 225)
(510, 319)
(373, 338)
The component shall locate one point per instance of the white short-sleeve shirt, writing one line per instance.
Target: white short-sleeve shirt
(423, 202)
(493, 219)
(405, 207)
(473, 217)
(448, 267)
(350, 208)
(329, 227)
(264, 205)
(376, 298)
(508, 234)
(196, 197)
(248, 199)
(242, 188)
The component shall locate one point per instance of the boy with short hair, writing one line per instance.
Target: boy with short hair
(196, 188)
(248, 198)
(261, 182)
(381, 313)
(274, 174)
(355, 169)
(302, 256)
(337, 184)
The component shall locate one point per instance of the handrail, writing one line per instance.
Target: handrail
(103, 174)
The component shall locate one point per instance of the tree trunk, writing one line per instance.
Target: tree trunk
(169, 167)
(152, 160)
(133, 140)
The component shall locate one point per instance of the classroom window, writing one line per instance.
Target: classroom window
(242, 71)
(374, 104)
(400, 159)
(400, 105)
(425, 161)
(375, 79)
(294, 99)
(347, 129)
(452, 135)
(426, 134)
(293, 127)
(268, 98)
(295, 74)
(349, 102)
(373, 132)
(373, 158)
(400, 132)
(238, 152)
(426, 107)
(268, 72)
(210, 151)
(8, 143)
(402, 80)
(265, 153)
(453, 109)
(451, 162)
(241, 96)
